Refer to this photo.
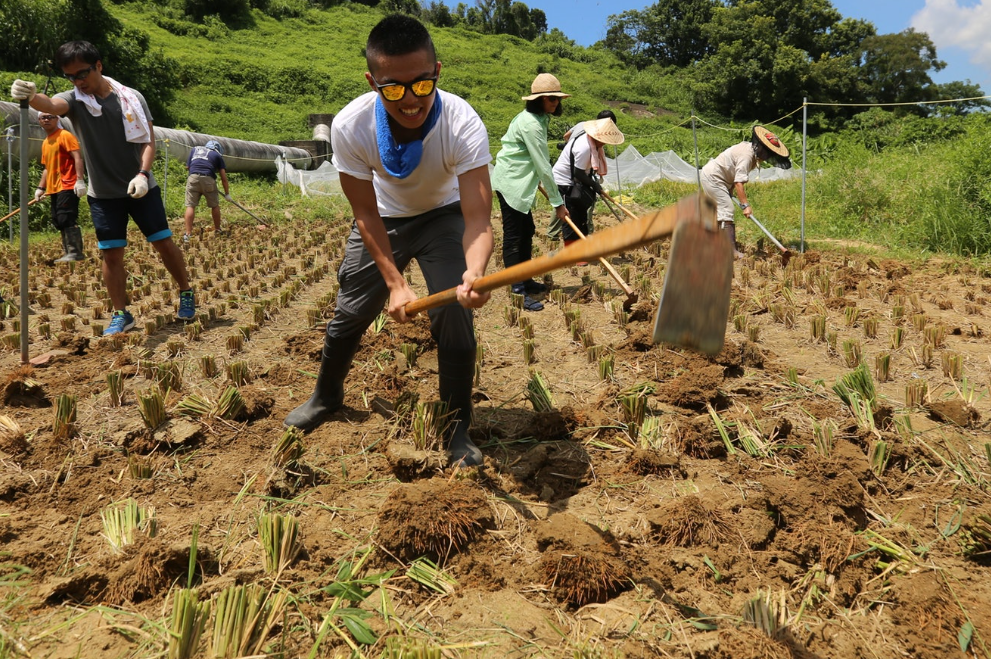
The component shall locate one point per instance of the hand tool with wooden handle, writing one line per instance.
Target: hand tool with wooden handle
(631, 297)
(695, 298)
(629, 214)
(261, 225)
(785, 252)
(15, 212)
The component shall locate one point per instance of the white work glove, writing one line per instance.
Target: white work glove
(80, 188)
(138, 187)
(23, 90)
(228, 198)
(39, 194)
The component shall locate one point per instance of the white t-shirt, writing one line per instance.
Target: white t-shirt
(457, 143)
(732, 165)
(583, 156)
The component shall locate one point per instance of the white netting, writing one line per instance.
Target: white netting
(324, 180)
(629, 170)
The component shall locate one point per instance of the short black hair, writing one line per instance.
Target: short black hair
(607, 114)
(398, 34)
(71, 51)
(536, 106)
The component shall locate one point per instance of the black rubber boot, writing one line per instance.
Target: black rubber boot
(72, 242)
(730, 229)
(65, 247)
(456, 378)
(328, 397)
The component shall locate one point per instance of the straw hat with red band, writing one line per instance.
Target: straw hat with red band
(771, 141)
(603, 130)
(545, 85)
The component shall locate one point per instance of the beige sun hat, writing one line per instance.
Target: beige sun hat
(603, 130)
(545, 85)
(771, 141)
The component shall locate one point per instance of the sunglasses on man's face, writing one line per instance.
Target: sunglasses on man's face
(396, 91)
(46, 117)
(81, 74)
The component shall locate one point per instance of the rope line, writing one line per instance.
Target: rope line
(666, 130)
(703, 121)
(880, 105)
(167, 140)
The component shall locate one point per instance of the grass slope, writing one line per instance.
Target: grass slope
(910, 184)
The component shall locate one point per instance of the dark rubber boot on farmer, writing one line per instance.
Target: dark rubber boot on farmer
(72, 242)
(65, 247)
(456, 379)
(328, 397)
(730, 229)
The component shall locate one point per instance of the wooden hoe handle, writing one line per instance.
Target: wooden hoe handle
(641, 231)
(629, 214)
(15, 212)
(605, 264)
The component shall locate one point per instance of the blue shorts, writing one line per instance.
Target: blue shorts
(110, 218)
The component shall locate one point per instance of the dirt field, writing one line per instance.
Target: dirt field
(809, 531)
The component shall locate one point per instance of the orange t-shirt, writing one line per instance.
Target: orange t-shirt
(58, 162)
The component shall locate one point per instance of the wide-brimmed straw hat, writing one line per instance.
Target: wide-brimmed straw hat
(603, 130)
(545, 85)
(771, 141)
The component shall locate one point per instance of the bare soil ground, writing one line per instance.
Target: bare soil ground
(585, 534)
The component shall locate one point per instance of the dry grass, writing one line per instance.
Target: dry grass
(583, 577)
(688, 522)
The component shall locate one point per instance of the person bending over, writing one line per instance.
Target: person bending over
(725, 175)
(413, 162)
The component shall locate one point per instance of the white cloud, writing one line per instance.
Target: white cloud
(959, 24)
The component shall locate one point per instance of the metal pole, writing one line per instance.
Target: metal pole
(165, 176)
(10, 177)
(619, 180)
(24, 231)
(805, 133)
(695, 137)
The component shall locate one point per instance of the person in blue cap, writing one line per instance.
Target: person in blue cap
(204, 164)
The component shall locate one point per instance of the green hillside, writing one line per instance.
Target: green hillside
(260, 83)
(897, 179)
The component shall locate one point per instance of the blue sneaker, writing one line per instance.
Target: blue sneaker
(120, 322)
(187, 305)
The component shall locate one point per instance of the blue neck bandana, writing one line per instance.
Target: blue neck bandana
(400, 160)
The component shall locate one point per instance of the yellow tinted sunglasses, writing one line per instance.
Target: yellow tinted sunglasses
(396, 91)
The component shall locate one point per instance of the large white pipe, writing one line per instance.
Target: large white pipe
(239, 155)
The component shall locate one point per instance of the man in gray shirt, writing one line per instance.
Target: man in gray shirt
(114, 125)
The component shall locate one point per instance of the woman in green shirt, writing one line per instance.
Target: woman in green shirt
(523, 164)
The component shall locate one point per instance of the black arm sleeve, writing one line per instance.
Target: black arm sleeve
(582, 177)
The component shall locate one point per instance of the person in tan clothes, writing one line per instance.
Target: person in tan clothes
(726, 174)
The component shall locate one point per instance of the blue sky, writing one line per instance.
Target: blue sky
(961, 29)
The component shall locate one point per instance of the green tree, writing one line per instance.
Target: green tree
(769, 54)
(227, 10)
(501, 17)
(34, 29)
(411, 7)
(968, 93)
(896, 67)
(28, 38)
(437, 13)
(669, 33)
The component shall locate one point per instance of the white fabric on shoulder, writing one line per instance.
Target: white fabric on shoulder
(135, 122)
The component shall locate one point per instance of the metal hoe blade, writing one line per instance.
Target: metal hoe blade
(695, 299)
